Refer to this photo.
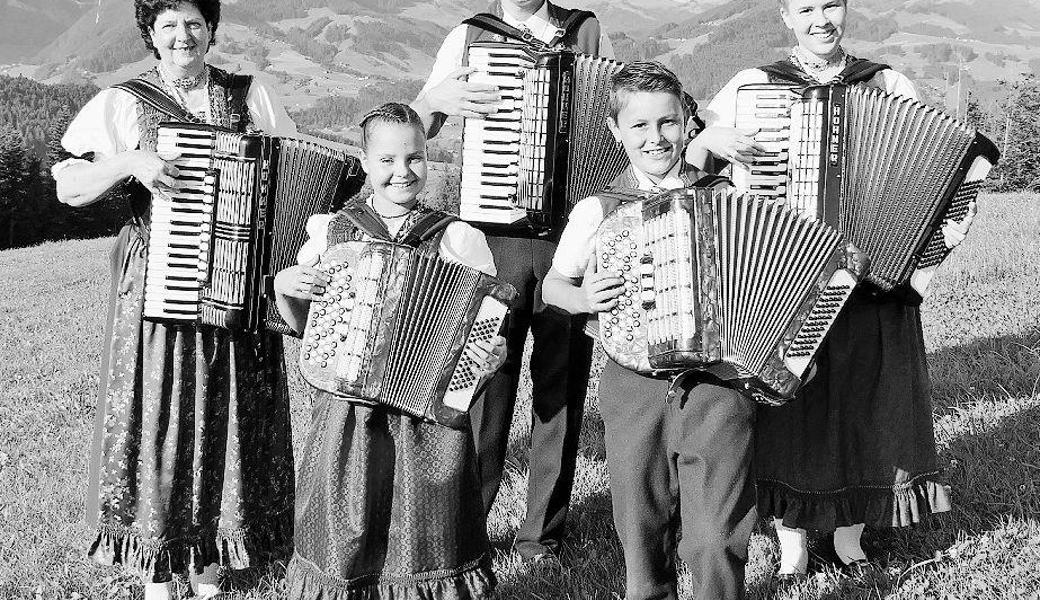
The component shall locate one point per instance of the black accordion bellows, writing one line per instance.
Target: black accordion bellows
(736, 286)
(887, 171)
(393, 326)
(237, 219)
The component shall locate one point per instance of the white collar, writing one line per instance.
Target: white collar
(670, 181)
(538, 24)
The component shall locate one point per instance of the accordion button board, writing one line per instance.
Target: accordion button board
(546, 148)
(885, 170)
(395, 325)
(737, 286)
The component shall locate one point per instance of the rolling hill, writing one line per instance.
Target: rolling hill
(314, 49)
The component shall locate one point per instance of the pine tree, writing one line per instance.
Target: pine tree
(14, 181)
(1019, 139)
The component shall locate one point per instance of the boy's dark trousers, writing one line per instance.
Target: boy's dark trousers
(560, 362)
(680, 468)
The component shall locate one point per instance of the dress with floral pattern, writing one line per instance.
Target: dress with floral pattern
(192, 459)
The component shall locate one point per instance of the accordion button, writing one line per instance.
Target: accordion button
(629, 337)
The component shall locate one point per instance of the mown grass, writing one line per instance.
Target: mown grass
(982, 327)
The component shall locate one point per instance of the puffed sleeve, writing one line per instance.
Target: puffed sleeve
(578, 240)
(449, 58)
(464, 244)
(104, 127)
(894, 82)
(317, 239)
(267, 112)
(722, 110)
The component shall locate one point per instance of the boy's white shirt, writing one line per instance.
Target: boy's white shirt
(461, 243)
(578, 240)
(453, 50)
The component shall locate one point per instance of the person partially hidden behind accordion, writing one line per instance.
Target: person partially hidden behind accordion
(192, 463)
(388, 504)
(857, 447)
(562, 355)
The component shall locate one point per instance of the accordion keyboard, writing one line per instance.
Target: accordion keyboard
(178, 242)
(491, 145)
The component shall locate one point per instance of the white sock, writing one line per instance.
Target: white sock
(794, 549)
(158, 591)
(206, 584)
(846, 543)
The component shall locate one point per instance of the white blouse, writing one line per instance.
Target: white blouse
(107, 124)
(461, 243)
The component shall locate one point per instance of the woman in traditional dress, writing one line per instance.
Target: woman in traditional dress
(192, 460)
(857, 447)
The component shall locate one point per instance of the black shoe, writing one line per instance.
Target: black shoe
(859, 568)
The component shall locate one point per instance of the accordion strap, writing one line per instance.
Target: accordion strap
(492, 24)
(858, 70)
(238, 91)
(154, 96)
(861, 70)
(574, 21)
(364, 218)
(429, 226)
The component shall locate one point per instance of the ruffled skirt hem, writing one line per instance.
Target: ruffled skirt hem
(901, 505)
(472, 581)
(156, 561)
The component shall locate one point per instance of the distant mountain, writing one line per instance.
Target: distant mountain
(27, 26)
(329, 49)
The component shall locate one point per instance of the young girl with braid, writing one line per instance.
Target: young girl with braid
(388, 506)
(857, 446)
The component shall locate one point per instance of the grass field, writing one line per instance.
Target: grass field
(981, 327)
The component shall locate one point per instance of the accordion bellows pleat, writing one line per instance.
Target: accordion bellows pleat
(473, 581)
(157, 560)
(899, 505)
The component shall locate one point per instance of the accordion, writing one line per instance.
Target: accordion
(736, 286)
(526, 165)
(885, 170)
(393, 326)
(236, 219)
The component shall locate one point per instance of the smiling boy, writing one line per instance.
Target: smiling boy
(678, 454)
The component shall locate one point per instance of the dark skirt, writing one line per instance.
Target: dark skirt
(388, 507)
(857, 444)
(192, 460)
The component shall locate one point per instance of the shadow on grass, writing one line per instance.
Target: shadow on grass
(1004, 366)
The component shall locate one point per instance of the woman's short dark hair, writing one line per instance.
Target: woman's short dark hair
(147, 11)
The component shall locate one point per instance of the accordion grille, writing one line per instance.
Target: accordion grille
(595, 157)
(899, 167)
(433, 308)
(769, 259)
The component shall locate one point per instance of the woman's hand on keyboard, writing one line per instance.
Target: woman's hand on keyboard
(155, 172)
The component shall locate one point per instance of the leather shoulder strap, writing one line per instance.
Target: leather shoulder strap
(362, 217)
(574, 21)
(492, 24)
(613, 197)
(785, 71)
(427, 227)
(861, 70)
(238, 91)
(154, 96)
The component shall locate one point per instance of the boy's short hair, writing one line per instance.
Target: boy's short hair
(643, 76)
(391, 112)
